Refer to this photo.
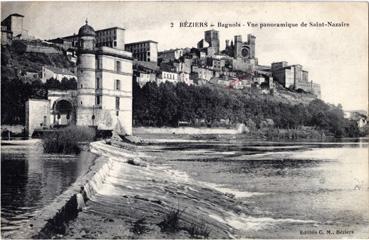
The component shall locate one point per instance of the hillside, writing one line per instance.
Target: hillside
(13, 61)
(15, 90)
(168, 105)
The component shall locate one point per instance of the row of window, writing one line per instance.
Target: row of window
(138, 45)
(98, 102)
(107, 44)
(169, 76)
(98, 84)
(117, 65)
(102, 39)
(106, 32)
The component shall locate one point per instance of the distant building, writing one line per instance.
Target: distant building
(109, 37)
(146, 51)
(170, 55)
(48, 72)
(294, 77)
(203, 73)
(144, 78)
(166, 76)
(12, 28)
(210, 44)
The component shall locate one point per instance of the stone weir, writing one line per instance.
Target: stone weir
(131, 196)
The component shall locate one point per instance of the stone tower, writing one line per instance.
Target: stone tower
(237, 46)
(86, 75)
(212, 37)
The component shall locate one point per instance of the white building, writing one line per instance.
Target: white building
(167, 76)
(48, 72)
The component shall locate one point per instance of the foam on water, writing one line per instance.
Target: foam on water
(246, 223)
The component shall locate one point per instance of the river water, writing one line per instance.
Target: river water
(31, 179)
(292, 190)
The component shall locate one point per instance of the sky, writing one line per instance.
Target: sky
(335, 57)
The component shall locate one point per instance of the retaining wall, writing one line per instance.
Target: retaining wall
(52, 219)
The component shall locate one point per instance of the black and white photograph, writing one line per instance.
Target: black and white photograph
(184, 120)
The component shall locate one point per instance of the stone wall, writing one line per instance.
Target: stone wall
(37, 114)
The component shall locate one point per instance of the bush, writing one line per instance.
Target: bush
(171, 221)
(199, 231)
(67, 140)
(139, 227)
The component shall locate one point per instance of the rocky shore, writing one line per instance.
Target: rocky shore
(141, 199)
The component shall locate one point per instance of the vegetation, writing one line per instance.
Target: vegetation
(67, 140)
(170, 223)
(168, 104)
(199, 231)
(139, 227)
(15, 92)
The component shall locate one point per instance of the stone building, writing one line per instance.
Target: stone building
(48, 72)
(294, 77)
(103, 97)
(170, 55)
(12, 28)
(37, 115)
(113, 37)
(104, 84)
(210, 44)
(146, 51)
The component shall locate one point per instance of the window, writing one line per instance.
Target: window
(81, 85)
(117, 84)
(117, 103)
(97, 100)
(97, 83)
(117, 66)
(115, 43)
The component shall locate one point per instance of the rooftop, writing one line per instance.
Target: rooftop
(141, 42)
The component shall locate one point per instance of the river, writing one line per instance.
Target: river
(31, 179)
(292, 190)
(283, 189)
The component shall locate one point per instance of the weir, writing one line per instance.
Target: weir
(121, 182)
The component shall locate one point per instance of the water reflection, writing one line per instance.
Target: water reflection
(31, 179)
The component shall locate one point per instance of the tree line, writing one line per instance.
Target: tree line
(168, 104)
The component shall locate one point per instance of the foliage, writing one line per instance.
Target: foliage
(64, 84)
(139, 227)
(170, 222)
(67, 140)
(15, 92)
(199, 231)
(167, 104)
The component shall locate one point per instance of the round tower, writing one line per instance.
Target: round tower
(86, 74)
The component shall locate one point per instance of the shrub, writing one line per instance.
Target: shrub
(139, 227)
(171, 221)
(199, 231)
(67, 140)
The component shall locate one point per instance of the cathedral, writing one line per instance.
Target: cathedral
(103, 98)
